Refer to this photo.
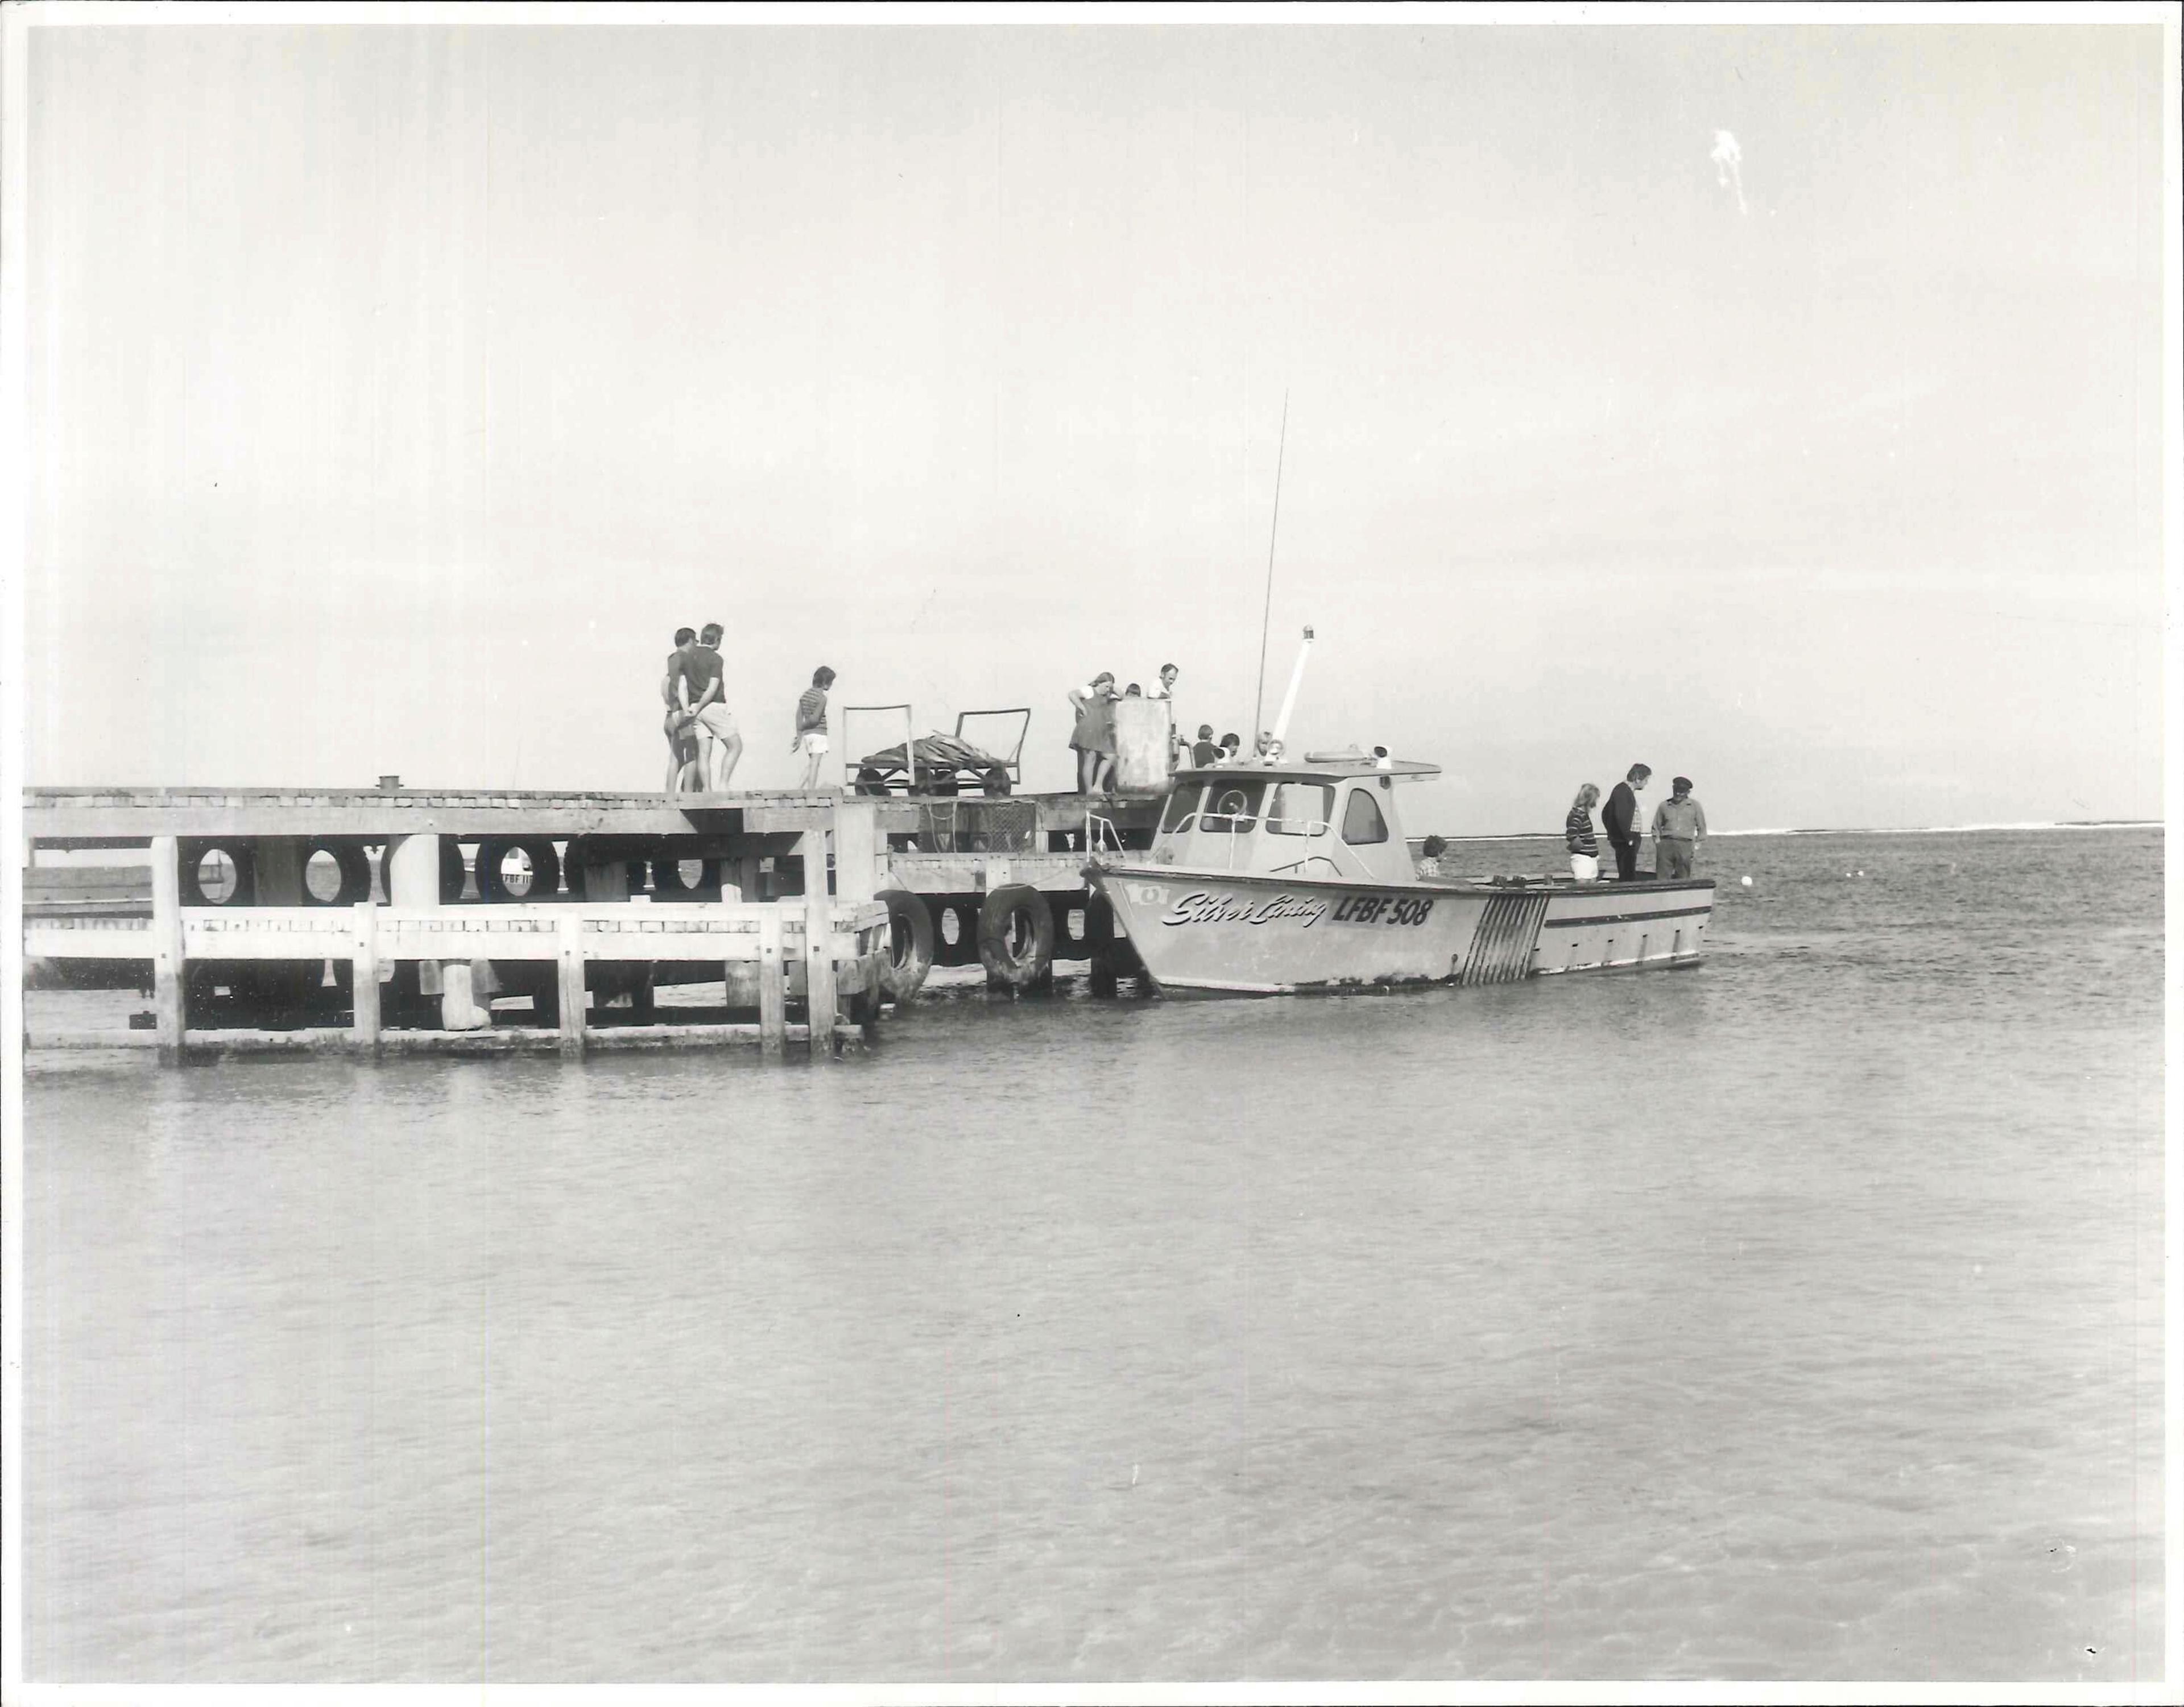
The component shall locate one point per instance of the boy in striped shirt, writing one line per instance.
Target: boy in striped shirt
(1578, 837)
(810, 737)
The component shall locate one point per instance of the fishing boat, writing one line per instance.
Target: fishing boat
(1270, 877)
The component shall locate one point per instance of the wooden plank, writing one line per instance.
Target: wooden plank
(974, 874)
(772, 995)
(167, 956)
(571, 941)
(689, 932)
(324, 1040)
(91, 939)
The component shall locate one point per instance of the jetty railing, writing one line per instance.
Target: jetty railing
(841, 949)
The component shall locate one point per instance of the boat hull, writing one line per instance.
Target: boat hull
(1245, 934)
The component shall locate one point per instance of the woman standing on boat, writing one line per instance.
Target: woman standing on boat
(1092, 740)
(1577, 833)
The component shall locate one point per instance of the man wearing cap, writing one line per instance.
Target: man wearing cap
(1678, 828)
(1624, 824)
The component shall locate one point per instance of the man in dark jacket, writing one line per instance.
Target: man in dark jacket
(1624, 826)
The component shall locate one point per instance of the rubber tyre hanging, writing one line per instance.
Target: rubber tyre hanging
(910, 944)
(1016, 936)
(668, 883)
(355, 868)
(191, 855)
(545, 869)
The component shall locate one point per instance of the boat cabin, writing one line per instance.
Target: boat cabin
(1330, 817)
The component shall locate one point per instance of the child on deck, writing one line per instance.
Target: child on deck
(810, 737)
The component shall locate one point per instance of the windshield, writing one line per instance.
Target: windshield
(1301, 808)
(1175, 814)
(1231, 809)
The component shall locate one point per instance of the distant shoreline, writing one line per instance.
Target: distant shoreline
(1924, 830)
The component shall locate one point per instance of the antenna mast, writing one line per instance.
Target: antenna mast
(1259, 700)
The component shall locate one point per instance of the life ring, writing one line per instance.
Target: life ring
(669, 883)
(191, 854)
(1016, 936)
(355, 869)
(910, 944)
(545, 868)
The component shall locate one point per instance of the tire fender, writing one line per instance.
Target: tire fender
(545, 868)
(1022, 964)
(910, 944)
(355, 868)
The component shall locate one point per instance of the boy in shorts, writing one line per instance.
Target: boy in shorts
(684, 774)
(703, 677)
(810, 737)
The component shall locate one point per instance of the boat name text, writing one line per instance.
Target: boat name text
(1200, 907)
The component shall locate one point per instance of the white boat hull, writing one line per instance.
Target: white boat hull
(1247, 934)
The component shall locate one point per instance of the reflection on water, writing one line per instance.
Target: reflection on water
(1795, 1316)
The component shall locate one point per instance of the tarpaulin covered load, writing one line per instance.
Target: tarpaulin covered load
(944, 761)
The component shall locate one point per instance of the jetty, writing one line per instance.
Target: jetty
(266, 911)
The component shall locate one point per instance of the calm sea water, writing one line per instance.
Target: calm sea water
(1798, 1316)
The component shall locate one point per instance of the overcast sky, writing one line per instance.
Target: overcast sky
(397, 392)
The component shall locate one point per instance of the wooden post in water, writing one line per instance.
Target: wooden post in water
(569, 940)
(772, 994)
(167, 953)
(412, 870)
(819, 997)
(363, 981)
(857, 851)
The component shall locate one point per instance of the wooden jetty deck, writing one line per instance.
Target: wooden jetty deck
(408, 889)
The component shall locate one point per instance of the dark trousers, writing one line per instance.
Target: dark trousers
(1626, 862)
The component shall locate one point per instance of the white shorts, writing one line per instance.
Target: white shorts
(714, 720)
(812, 743)
(1585, 867)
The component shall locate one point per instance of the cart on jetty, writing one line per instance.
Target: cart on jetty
(500, 921)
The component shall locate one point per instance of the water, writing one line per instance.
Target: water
(1795, 1317)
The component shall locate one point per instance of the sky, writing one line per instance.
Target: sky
(396, 391)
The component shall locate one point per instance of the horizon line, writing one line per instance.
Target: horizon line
(1865, 830)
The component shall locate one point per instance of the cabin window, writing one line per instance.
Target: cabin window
(1301, 808)
(1362, 822)
(1181, 805)
(1231, 809)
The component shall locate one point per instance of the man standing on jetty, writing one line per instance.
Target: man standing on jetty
(1625, 827)
(1678, 828)
(703, 677)
(685, 768)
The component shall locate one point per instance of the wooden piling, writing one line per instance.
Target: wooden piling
(363, 981)
(772, 991)
(857, 850)
(412, 884)
(819, 995)
(570, 941)
(167, 951)
(278, 871)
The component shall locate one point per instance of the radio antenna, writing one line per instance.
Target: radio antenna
(1259, 700)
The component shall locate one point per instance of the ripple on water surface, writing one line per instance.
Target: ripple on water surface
(1797, 1316)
